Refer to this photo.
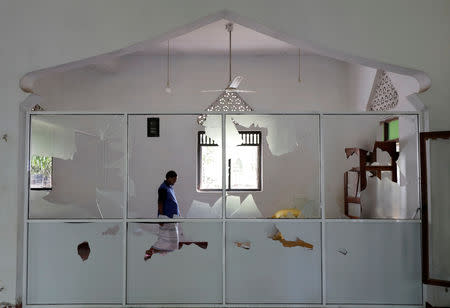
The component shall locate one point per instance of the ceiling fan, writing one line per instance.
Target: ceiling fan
(233, 84)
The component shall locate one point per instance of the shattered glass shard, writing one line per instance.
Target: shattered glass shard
(247, 209)
(111, 230)
(244, 245)
(298, 242)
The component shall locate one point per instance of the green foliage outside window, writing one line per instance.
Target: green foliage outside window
(393, 130)
(41, 171)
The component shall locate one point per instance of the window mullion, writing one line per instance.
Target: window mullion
(229, 173)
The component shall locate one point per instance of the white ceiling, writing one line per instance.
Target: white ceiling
(212, 39)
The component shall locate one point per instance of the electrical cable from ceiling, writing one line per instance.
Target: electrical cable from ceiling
(168, 88)
(299, 66)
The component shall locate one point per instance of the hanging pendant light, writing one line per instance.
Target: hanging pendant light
(168, 89)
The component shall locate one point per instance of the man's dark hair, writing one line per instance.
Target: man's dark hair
(171, 174)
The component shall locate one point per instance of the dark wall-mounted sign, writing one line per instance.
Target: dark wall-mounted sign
(152, 127)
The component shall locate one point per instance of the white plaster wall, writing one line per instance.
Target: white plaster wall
(405, 86)
(137, 84)
(437, 295)
(38, 34)
(360, 80)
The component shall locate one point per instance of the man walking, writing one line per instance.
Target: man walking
(167, 202)
(168, 236)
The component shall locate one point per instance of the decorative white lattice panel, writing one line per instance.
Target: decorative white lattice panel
(385, 96)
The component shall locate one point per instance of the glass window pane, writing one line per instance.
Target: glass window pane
(176, 148)
(82, 158)
(244, 168)
(288, 161)
(70, 263)
(184, 263)
(388, 185)
(273, 262)
(373, 263)
(211, 167)
(439, 209)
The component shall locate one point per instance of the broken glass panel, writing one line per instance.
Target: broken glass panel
(77, 166)
(174, 263)
(75, 263)
(273, 166)
(373, 263)
(276, 262)
(192, 150)
(365, 176)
